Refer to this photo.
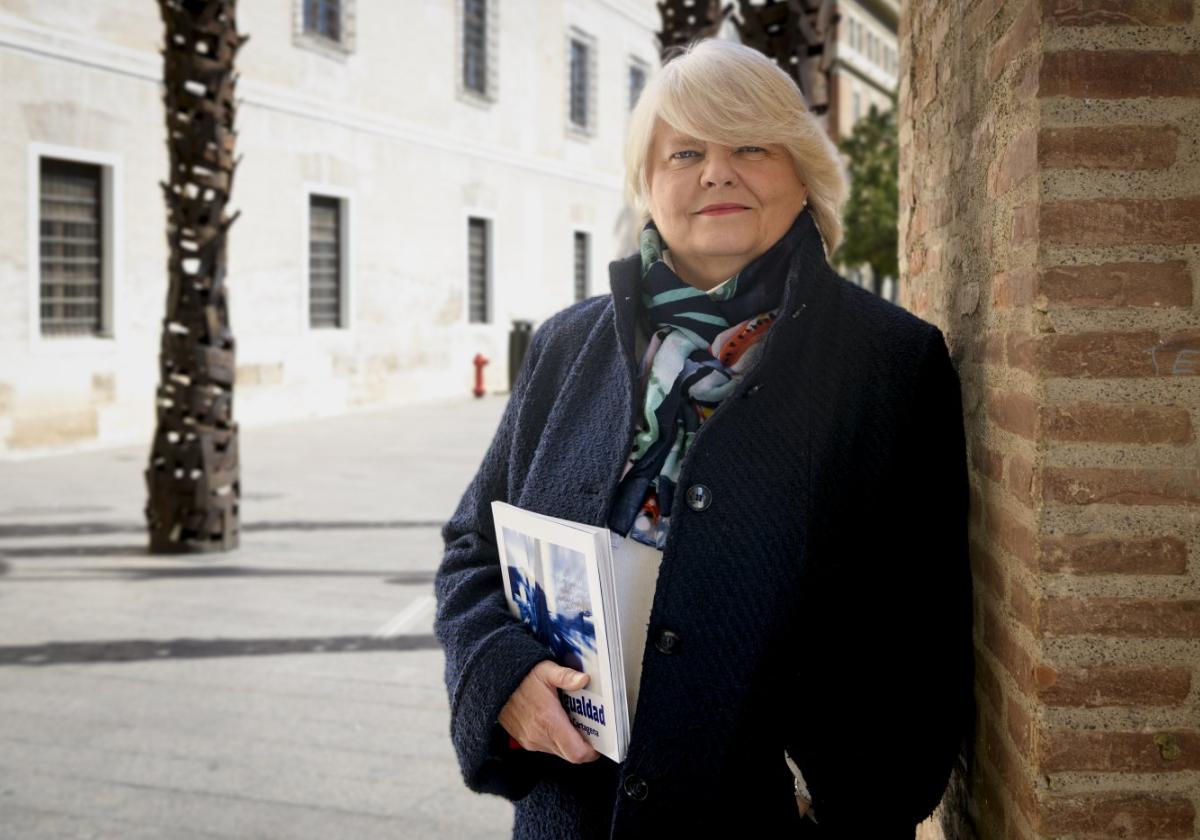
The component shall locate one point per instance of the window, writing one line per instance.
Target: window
(637, 81)
(582, 260)
(71, 243)
(326, 262)
(477, 45)
(324, 18)
(324, 26)
(857, 105)
(581, 83)
(477, 270)
(474, 46)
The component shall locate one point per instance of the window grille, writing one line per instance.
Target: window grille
(324, 18)
(70, 234)
(325, 270)
(579, 84)
(582, 250)
(475, 46)
(477, 270)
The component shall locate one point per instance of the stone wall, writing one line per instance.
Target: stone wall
(1050, 224)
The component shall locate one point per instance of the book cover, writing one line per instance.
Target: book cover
(555, 575)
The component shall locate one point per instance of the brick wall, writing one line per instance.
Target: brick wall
(1050, 224)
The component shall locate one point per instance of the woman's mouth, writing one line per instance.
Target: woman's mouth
(721, 209)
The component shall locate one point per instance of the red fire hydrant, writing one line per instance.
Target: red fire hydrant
(480, 361)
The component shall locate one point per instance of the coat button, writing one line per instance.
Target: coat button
(667, 642)
(699, 497)
(635, 787)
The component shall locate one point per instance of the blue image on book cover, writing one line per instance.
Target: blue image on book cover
(550, 588)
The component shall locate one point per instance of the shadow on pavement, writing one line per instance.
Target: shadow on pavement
(141, 650)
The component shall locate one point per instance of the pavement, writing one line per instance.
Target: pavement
(291, 688)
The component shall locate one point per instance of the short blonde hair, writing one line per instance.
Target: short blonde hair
(722, 92)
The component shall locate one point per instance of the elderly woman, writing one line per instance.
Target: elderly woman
(793, 447)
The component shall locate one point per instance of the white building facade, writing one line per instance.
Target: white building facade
(414, 177)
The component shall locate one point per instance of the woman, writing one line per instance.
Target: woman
(813, 598)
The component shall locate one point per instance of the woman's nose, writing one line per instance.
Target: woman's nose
(718, 170)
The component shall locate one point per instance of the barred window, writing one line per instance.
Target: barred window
(579, 84)
(324, 18)
(477, 270)
(71, 241)
(582, 260)
(326, 271)
(475, 46)
(637, 81)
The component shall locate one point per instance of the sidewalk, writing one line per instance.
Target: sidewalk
(289, 689)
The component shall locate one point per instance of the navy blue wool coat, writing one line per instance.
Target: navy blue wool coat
(821, 603)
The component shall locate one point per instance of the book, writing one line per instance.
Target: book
(586, 593)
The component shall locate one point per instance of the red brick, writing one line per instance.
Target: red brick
(1120, 752)
(1021, 351)
(1020, 479)
(985, 568)
(1119, 74)
(1114, 685)
(1020, 728)
(1023, 605)
(986, 461)
(1126, 147)
(1011, 289)
(1011, 534)
(1117, 423)
(916, 262)
(993, 349)
(1118, 285)
(1013, 411)
(1122, 486)
(1024, 225)
(1117, 12)
(979, 18)
(1177, 355)
(1011, 654)
(1017, 162)
(1099, 354)
(1013, 771)
(1020, 32)
(1090, 555)
(1121, 221)
(989, 798)
(988, 684)
(1141, 618)
(1025, 88)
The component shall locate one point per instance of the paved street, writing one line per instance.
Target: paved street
(289, 689)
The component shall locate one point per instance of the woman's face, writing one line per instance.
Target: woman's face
(718, 207)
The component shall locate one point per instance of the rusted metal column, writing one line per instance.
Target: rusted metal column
(193, 476)
(798, 35)
(684, 21)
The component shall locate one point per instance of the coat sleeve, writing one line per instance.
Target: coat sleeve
(878, 751)
(488, 652)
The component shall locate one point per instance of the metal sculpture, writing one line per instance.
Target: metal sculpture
(684, 21)
(193, 476)
(798, 35)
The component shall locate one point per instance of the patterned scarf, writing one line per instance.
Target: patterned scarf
(701, 345)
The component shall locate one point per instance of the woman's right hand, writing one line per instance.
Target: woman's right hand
(535, 716)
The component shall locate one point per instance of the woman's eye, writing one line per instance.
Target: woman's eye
(686, 153)
(752, 150)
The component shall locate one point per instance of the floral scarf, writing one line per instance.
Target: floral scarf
(701, 345)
